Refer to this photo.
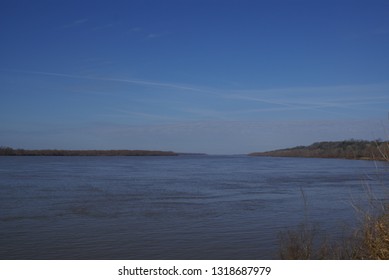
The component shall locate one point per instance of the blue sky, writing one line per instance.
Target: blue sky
(221, 77)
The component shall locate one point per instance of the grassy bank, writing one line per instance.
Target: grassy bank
(369, 240)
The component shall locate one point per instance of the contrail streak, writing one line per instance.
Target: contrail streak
(129, 81)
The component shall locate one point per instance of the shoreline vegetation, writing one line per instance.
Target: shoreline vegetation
(7, 151)
(348, 149)
(369, 240)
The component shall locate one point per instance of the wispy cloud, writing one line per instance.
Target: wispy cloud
(209, 114)
(317, 97)
(105, 26)
(154, 35)
(153, 117)
(325, 99)
(129, 81)
(146, 34)
(75, 23)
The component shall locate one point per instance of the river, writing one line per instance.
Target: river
(179, 207)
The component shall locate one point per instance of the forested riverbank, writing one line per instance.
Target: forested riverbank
(7, 151)
(349, 149)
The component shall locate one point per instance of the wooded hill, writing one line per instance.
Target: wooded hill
(7, 151)
(350, 149)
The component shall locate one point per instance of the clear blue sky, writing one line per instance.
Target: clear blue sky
(219, 77)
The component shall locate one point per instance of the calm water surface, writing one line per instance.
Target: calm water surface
(186, 207)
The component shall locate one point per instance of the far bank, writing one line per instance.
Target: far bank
(348, 149)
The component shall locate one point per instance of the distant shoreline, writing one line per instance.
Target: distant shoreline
(7, 151)
(349, 149)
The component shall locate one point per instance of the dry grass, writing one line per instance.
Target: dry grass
(299, 244)
(369, 241)
(372, 241)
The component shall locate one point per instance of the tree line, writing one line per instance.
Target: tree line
(8, 151)
(348, 149)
